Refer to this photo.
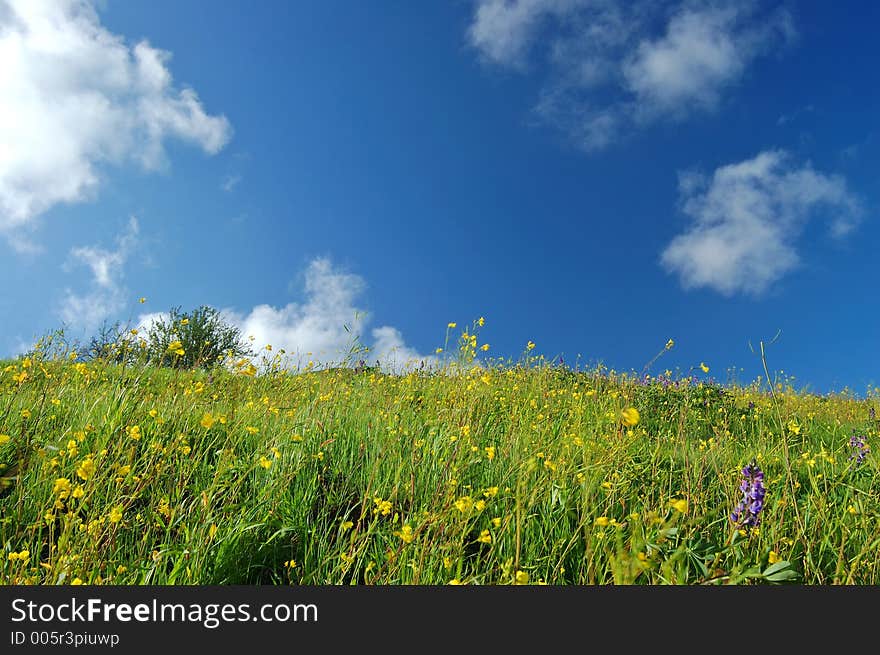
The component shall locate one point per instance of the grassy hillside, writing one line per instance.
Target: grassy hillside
(521, 474)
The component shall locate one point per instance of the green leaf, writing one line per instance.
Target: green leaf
(782, 576)
(778, 566)
(781, 571)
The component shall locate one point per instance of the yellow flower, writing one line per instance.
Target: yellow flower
(406, 534)
(452, 325)
(116, 514)
(347, 525)
(464, 504)
(602, 521)
(61, 488)
(485, 537)
(521, 578)
(530, 345)
(773, 557)
(142, 300)
(439, 350)
(454, 582)
(490, 492)
(496, 522)
(382, 507)
(86, 469)
(679, 505)
(630, 416)
(207, 420)
(251, 429)
(484, 347)
(78, 492)
(25, 413)
(490, 452)
(184, 321)
(669, 344)
(76, 581)
(704, 368)
(134, 432)
(265, 463)
(793, 427)
(4, 438)
(481, 321)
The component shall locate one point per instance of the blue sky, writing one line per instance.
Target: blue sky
(594, 176)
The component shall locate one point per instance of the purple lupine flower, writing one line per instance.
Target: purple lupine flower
(747, 514)
(871, 413)
(860, 447)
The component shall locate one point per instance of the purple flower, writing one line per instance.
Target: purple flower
(860, 448)
(747, 514)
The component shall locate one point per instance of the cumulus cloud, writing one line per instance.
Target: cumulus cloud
(746, 219)
(613, 66)
(106, 295)
(75, 98)
(325, 327)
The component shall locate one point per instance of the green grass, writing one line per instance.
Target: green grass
(520, 473)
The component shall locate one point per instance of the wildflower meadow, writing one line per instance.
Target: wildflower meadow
(471, 471)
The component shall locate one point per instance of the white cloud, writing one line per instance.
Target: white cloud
(613, 66)
(503, 29)
(106, 295)
(146, 321)
(315, 330)
(74, 98)
(230, 182)
(746, 220)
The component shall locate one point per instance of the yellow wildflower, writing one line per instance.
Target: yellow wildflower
(382, 507)
(86, 468)
(464, 504)
(61, 488)
(406, 534)
(630, 416)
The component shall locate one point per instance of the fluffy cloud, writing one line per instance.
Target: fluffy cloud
(74, 98)
(613, 66)
(326, 326)
(107, 294)
(746, 219)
